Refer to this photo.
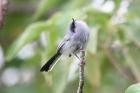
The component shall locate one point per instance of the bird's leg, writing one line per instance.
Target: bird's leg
(81, 50)
(77, 56)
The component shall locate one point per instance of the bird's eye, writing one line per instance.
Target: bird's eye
(72, 26)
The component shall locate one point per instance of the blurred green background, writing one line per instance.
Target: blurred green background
(33, 29)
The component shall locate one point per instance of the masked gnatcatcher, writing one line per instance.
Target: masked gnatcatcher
(74, 41)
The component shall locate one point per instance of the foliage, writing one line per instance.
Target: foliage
(112, 57)
(135, 88)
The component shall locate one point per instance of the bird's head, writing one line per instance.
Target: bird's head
(77, 25)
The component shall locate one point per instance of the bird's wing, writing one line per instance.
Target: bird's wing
(66, 39)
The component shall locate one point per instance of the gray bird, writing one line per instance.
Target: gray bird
(74, 41)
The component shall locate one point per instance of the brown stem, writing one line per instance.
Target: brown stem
(27, 8)
(3, 8)
(81, 75)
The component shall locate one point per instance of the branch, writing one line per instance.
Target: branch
(81, 75)
(114, 62)
(3, 8)
(28, 8)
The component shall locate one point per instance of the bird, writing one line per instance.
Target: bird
(75, 40)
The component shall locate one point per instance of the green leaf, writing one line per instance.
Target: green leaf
(44, 6)
(93, 40)
(31, 33)
(134, 7)
(58, 77)
(93, 69)
(135, 88)
(55, 24)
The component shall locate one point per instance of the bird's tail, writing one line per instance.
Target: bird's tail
(50, 62)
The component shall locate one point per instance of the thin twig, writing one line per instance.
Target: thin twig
(114, 62)
(81, 75)
(132, 65)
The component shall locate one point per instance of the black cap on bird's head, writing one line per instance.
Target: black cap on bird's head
(72, 26)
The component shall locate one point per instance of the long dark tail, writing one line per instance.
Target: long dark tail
(50, 62)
